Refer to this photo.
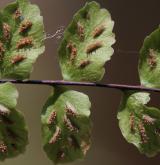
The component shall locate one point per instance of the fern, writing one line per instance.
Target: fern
(21, 39)
(83, 52)
(13, 130)
(86, 45)
(66, 127)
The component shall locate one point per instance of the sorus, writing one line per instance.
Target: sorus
(25, 26)
(17, 58)
(26, 41)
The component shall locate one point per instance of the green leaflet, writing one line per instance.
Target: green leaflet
(21, 39)
(13, 131)
(66, 126)
(149, 62)
(86, 45)
(8, 95)
(140, 124)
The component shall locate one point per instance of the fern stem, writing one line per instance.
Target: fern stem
(91, 84)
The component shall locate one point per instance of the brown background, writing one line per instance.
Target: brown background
(134, 19)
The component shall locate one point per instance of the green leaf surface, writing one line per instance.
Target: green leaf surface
(8, 95)
(21, 39)
(13, 131)
(139, 123)
(86, 45)
(66, 126)
(149, 62)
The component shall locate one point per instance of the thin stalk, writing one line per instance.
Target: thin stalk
(91, 84)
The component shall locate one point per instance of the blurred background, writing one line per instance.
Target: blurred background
(134, 20)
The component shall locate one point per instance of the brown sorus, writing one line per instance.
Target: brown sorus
(98, 31)
(84, 63)
(55, 136)
(6, 31)
(4, 111)
(69, 125)
(3, 148)
(142, 132)
(25, 26)
(17, 14)
(85, 147)
(93, 47)
(70, 110)
(152, 59)
(24, 42)
(17, 58)
(52, 117)
(132, 122)
(73, 50)
(80, 30)
(148, 120)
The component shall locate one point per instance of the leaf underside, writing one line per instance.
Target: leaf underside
(86, 45)
(21, 39)
(66, 126)
(13, 131)
(140, 124)
(149, 62)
